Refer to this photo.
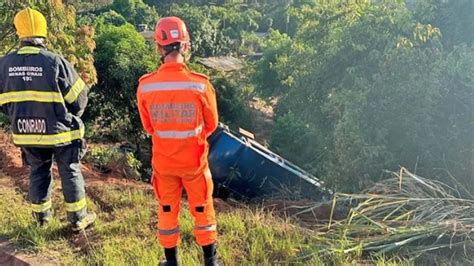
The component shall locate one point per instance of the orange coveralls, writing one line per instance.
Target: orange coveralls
(178, 108)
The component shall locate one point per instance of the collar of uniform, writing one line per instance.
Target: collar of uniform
(31, 44)
(28, 50)
(173, 66)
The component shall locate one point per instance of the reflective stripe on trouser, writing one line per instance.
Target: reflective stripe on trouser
(169, 232)
(42, 207)
(41, 179)
(76, 206)
(168, 190)
(67, 158)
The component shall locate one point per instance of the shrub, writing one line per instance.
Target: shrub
(4, 121)
(114, 159)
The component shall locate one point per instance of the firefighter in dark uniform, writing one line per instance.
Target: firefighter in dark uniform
(44, 98)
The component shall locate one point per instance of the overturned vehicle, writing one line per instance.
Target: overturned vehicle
(248, 170)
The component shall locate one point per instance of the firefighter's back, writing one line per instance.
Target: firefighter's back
(33, 100)
(175, 98)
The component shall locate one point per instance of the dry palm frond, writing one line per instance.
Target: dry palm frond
(407, 216)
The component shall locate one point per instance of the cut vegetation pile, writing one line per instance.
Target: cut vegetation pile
(407, 216)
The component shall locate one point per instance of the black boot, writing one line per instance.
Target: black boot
(43, 218)
(171, 255)
(210, 257)
(84, 223)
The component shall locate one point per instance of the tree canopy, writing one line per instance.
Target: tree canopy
(64, 36)
(368, 87)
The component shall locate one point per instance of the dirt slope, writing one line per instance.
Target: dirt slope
(11, 164)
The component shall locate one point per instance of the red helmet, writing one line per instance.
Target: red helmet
(170, 30)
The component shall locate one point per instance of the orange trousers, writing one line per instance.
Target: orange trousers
(168, 191)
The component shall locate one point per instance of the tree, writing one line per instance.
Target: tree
(233, 20)
(455, 116)
(165, 4)
(75, 43)
(206, 38)
(136, 11)
(284, 13)
(370, 89)
(122, 57)
(267, 79)
(231, 100)
(84, 6)
(8, 10)
(455, 19)
(103, 20)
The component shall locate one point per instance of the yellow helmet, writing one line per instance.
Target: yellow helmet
(30, 23)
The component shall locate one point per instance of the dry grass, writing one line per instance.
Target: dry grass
(407, 216)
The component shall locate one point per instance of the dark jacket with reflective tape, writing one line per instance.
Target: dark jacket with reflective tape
(43, 96)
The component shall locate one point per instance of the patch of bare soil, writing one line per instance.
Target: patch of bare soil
(12, 165)
(10, 256)
(82, 241)
(308, 214)
(223, 206)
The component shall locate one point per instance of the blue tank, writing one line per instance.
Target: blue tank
(248, 169)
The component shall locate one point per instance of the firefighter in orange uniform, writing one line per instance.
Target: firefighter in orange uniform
(178, 108)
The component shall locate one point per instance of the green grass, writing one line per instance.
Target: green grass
(125, 233)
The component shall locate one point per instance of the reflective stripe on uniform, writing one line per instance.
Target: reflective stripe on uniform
(179, 134)
(43, 207)
(207, 173)
(75, 90)
(31, 96)
(76, 206)
(50, 140)
(211, 227)
(173, 86)
(168, 232)
(29, 50)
